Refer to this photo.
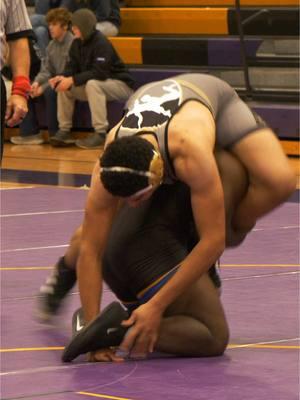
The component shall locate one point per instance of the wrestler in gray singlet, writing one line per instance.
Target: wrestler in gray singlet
(152, 107)
(147, 242)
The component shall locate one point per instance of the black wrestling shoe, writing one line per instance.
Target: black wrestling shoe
(103, 332)
(77, 322)
(55, 289)
(214, 275)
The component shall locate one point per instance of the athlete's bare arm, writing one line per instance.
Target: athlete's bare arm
(100, 209)
(99, 213)
(195, 165)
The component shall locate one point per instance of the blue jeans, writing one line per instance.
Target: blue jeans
(30, 124)
(50, 96)
(43, 6)
(40, 29)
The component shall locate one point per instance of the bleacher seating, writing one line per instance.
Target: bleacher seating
(283, 21)
(161, 38)
(210, 3)
(199, 51)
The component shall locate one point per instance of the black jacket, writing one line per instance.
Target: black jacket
(95, 58)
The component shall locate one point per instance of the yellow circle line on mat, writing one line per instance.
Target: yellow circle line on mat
(262, 346)
(259, 265)
(230, 346)
(13, 350)
(23, 268)
(103, 396)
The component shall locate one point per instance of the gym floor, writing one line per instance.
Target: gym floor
(40, 207)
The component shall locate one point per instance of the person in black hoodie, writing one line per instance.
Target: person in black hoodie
(94, 73)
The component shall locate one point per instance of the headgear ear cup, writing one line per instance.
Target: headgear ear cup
(156, 169)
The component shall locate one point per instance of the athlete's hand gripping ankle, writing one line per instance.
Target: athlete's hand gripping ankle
(144, 325)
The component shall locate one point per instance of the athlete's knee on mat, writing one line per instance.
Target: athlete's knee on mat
(220, 342)
(217, 349)
(214, 346)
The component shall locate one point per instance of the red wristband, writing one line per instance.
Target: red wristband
(21, 86)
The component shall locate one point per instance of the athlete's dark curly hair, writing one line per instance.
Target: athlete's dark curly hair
(130, 152)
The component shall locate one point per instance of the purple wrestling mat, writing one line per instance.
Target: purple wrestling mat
(260, 297)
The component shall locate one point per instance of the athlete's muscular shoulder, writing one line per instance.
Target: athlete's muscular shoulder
(191, 132)
(193, 120)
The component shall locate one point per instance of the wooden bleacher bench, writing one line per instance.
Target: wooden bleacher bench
(281, 21)
(193, 51)
(160, 38)
(210, 3)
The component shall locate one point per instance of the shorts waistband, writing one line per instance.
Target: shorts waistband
(147, 293)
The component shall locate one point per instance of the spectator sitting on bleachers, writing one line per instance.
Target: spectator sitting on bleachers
(39, 22)
(107, 13)
(57, 52)
(94, 73)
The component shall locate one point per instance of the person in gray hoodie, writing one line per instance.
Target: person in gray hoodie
(58, 20)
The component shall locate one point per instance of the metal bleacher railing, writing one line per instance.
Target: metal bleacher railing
(240, 25)
(250, 92)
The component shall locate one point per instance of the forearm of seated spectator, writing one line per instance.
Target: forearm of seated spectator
(53, 81)
(35, 90)
(65, 83)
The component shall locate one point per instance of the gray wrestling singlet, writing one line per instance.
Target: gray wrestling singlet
(152, 107)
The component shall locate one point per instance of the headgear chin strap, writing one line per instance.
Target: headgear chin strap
(154, 174)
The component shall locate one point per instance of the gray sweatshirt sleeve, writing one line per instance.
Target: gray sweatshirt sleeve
(45, 73)
(54, 63)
